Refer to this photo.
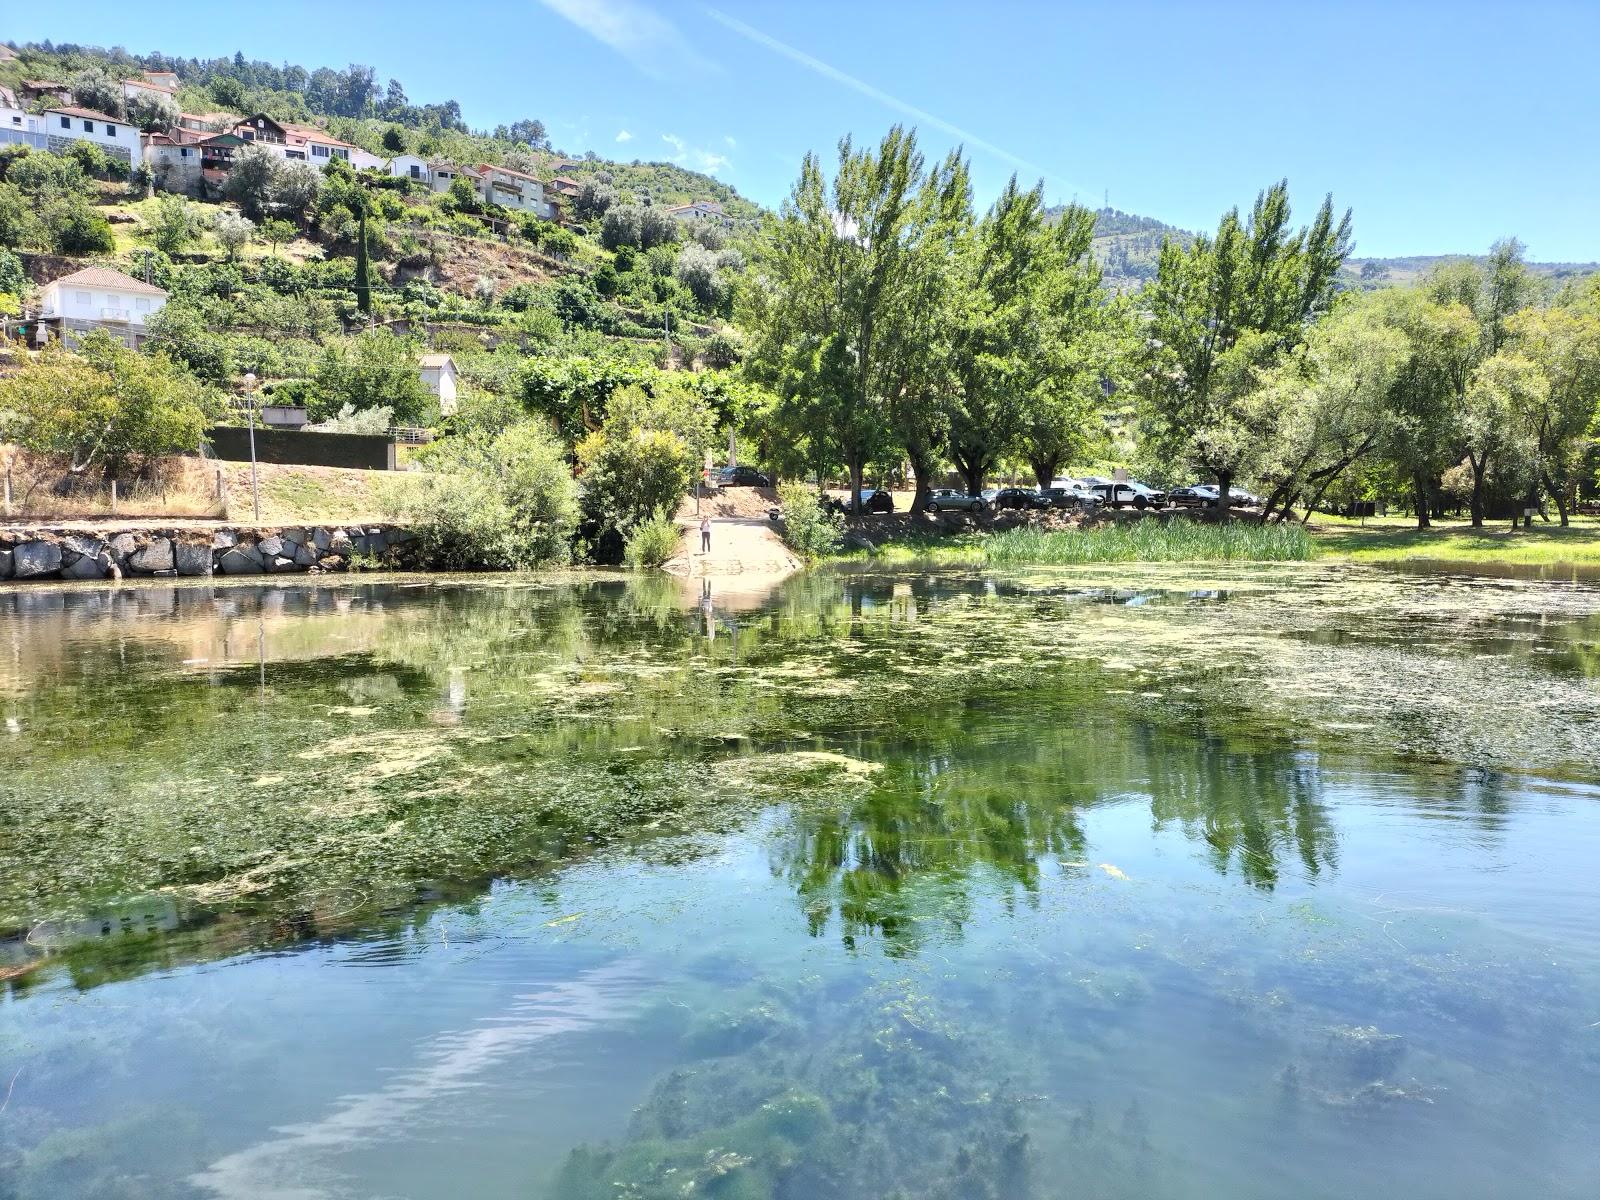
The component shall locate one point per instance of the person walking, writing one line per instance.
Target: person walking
(705, 535)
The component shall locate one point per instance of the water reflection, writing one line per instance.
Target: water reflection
(933, 884)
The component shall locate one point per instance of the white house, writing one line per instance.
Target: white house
(66, 125)
(151, 88)
(18, 127)
(409, 166)
(512, 189)
(700, 210)
(439, 377)
(98, 298)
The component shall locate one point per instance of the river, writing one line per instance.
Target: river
(1225, 881)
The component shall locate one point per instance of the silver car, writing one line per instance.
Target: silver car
(950, 500)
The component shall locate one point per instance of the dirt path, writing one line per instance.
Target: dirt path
(739, 546)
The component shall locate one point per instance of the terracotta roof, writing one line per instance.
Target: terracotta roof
(86, 113)
(148, 86)
(438, 360)
(105, 277)
(566, 179)
(310, 133)
(7, 97)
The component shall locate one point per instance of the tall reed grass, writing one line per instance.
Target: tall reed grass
(1151, 541)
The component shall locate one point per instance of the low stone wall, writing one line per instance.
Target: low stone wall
(63, 552)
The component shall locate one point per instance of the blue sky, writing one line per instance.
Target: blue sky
(1445, 125)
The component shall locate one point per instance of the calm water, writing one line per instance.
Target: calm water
(1236, 882)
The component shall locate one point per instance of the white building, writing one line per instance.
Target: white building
(700, 210)
(98, 298)
(439, 377)
(66, 125)
(18, 127)
(304, 143)
(512, 189)
(151, 87)
(409, 166)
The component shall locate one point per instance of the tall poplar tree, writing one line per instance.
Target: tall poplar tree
(1218, 311)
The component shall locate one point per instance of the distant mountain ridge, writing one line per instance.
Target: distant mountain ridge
(1126, 245)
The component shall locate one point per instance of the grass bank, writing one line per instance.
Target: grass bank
(1394, 539)
(1134, 541)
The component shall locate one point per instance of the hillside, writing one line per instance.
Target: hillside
(1126, 246)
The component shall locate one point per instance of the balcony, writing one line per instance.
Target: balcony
(120, 315)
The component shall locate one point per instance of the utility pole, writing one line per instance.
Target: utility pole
(250, 416)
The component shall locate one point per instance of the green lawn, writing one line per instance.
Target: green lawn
(1394, 539)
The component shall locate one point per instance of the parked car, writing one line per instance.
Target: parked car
(1013, 497)
(950, 500)
(877, 500)
(1070, 494)
(1204, 495)
(742, 476)
(1196, 495)
(1131, 494)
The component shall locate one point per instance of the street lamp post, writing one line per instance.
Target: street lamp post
(250, 417)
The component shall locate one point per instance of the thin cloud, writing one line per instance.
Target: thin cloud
(920, 115)
(685, 155)
(624, 136)
(645, 38)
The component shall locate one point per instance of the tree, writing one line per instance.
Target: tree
(252, 182)
(233, 231)
(275, 231)
(828, 308)
(375, 369)
(1422, 438)
(152, 113)
(1220, 310)
(620, 226)
(174, 224)
(77, 228)
(1564, 342)
(594, 200)
(1325, 407)
(106, 405)
(696, 269)
(644, 457)
(394, 138)
(19, 223)
(97, 88)
(1028, 362)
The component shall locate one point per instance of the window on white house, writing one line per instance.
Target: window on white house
(88, 126)
(342, 153)
(66, 122)
(111, 131)
(142, 304)
(83, 298)
(319, 152)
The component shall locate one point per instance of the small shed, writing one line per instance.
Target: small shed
(439, 376)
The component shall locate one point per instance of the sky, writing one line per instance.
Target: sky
(1443, 125)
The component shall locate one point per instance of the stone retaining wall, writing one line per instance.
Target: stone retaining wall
(90, 553)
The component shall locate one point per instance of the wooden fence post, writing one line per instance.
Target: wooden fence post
(113, 497)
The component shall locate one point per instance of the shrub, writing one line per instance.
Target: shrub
(652, 541)
(501, 502)
(809, 531)
(76, 228)
(174, 224)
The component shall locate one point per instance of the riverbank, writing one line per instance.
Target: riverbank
(116, 550)
(963, 541)
(1396, 539)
